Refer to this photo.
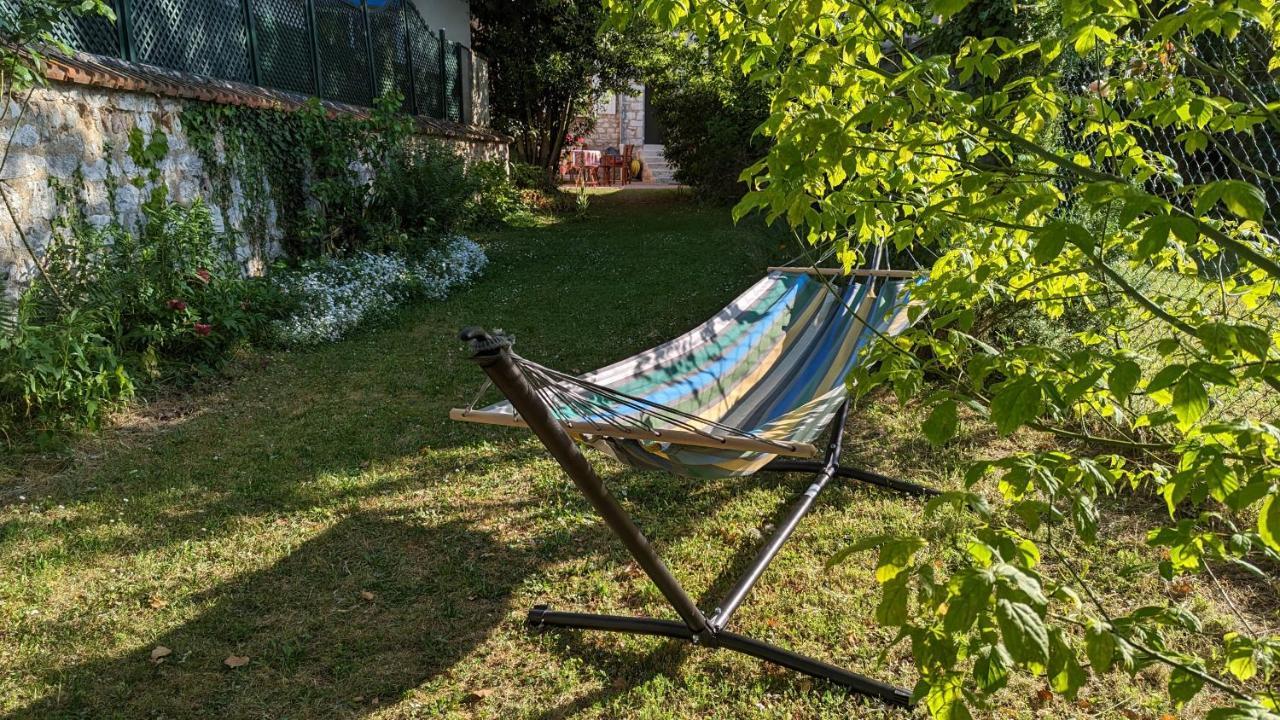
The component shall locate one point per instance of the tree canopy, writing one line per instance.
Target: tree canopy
(549, 60)
(1119, 162)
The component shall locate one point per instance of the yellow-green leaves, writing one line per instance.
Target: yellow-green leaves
(940, 426)
(1016, 402)
(1123, 378)
(1190, 400)
(1269, 522)
(1023, 632)
(1243, 199)
(1242, 659)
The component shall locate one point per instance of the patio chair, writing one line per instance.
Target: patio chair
(750, 390)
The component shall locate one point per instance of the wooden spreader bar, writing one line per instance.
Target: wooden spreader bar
(677, 437)
(840, 272)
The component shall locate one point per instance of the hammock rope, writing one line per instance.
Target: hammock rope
(560, 386)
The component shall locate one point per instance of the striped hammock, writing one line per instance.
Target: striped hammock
(762, 378)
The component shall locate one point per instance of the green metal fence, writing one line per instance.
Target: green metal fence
(345, 50)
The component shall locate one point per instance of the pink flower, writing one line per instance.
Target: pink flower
(203, 274)
(176, 304)
(203, 329)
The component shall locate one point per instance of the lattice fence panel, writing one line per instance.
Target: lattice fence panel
(344, 60)
(390, 57)
(453, 82)
(427, 79)
(90, 33)
(206, 37)
(284, 45)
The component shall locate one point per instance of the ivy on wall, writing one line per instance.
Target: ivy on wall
(313, 167)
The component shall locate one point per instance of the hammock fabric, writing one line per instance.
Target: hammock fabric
(770, 366)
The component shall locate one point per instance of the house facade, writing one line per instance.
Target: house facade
(622, 119)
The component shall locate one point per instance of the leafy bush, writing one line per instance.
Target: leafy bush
(110, 309)
(172, 301)
(427, 189)
(330, 297)
(59, 375)
(710, 118)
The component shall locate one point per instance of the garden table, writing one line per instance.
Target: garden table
(582, 161)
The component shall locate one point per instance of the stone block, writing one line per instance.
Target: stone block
(25, 136)
(25, 165)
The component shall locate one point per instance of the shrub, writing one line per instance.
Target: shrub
(111, 309)
(330, 297)
(57, 376)
(172, 301)
(425, 190)
(710, 119)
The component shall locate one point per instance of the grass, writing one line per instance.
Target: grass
(319, 515)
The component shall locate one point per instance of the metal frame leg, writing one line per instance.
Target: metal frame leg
(866, 476)
(493, 356)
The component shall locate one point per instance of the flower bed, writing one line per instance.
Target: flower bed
(331, 297)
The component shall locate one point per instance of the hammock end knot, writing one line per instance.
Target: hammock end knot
(482, 342)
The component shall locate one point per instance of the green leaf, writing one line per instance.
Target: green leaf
(1123, 378)
(1167, 376)
(892, 609)
(947, 8)
(1065, 674)
(991, 667)
(1023, 631)
(1048, 247)
(941, 423)
(1190, 400)
(1183, 686)
(1269, 522)
(1016, 402)
(1241, 660)
(1241, 198)
(895, 556)
(1084, 515)
(1100, 647)
(970, 598)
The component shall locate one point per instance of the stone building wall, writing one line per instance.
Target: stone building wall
(619, 121)
(77, 136)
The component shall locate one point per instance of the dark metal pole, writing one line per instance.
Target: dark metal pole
(720, 617)
(494, 357)
(444, 75)
(124, 28)
(411, 97)
(807, 665)
(540, 618)
(902, 486)
(314, 37)
(251, 26)
(368, 53)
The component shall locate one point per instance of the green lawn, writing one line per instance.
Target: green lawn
(318, 514)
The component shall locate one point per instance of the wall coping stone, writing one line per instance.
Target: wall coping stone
(107, 72)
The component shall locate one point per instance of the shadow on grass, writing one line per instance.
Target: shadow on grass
(314, 649)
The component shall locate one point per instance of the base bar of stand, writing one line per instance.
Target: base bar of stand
(541, 618)
(866, 476)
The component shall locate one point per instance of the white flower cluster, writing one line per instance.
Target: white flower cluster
(332, 297)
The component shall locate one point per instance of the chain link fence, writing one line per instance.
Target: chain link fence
(350, 51)
(1236, 71)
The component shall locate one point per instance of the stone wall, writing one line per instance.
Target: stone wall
(77, 135)
(619, 121)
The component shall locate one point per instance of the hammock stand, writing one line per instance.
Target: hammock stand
(492, 352)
